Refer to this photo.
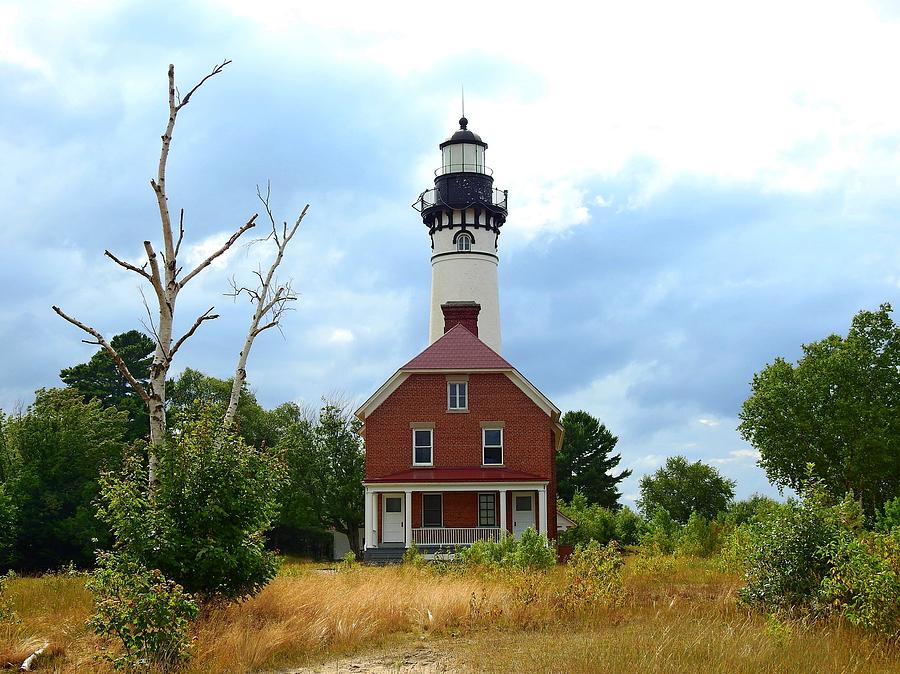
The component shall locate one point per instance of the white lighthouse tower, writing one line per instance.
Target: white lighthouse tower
(464, 213)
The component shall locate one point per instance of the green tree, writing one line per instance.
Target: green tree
(836, 409)
(254, 424)
(325, 464)
(584, 462)
(100, 379)
(205, 525)
(681, 488)
(58, 447)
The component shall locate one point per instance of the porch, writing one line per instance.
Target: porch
(442, 517)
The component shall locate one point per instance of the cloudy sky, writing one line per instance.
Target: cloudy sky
(695, 189)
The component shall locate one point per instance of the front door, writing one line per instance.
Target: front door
(392, 519)
(523, 512)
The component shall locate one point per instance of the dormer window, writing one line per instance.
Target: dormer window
(457, 395)
(464, 242)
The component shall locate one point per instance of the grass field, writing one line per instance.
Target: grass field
(678, 616)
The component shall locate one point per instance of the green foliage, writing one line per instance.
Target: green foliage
(888, 518)
(629, 526)
(594, 575)
(147, 614)
(698, 538)
(7, 614)
(412, 557)
(348, 562)
(584, 462)
(864, 582)
(9, 527)
(205, 525)
(255, 425)
(747, 510)
(100, 379)
(325, 465)
(661, 533)
(595, 523)
(681, 488)
(531, 552)
(788, 555)
(837, 409)
(53, 454)
(735, 549)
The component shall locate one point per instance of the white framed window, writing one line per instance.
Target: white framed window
(487, 510)
(432, 510)
(422, 446)
(464, 243)
(457, 395)
(492, 443)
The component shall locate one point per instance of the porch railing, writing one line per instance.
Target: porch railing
(454, 536)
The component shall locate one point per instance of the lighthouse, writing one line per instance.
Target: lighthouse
(464, 213)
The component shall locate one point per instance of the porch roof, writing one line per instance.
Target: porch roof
(457, 475)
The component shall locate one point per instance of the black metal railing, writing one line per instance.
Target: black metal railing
(432, 197)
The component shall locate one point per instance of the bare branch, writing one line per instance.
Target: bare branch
(128, 265)
(205, 316)
(180, 233)
(215, 71)
(123, 368)
(208, 261)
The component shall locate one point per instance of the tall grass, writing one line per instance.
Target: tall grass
(679, 615)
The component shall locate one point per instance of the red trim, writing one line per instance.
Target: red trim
(458, 475)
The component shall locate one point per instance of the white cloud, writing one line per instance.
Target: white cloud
(340, 336)
(708, 422)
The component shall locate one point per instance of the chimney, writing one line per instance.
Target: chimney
(461, 313)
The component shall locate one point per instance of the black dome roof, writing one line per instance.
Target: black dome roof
(464, 135)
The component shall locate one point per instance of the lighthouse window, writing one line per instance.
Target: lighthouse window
(457, 395)
(464, 243)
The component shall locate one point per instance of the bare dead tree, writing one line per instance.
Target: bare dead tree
(269, 298)
(167, 282)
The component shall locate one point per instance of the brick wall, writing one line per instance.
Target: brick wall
(457, 435)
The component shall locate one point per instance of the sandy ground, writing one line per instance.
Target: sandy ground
(415, 659)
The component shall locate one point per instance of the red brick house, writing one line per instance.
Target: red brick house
(460, 446)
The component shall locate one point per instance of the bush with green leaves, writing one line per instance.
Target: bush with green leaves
(204, 524)
(531, 551)
(888, 518)
(734, 550)
(412, 557)
(594, 522)
(6, 610)
(629, 526)
(661, 533)
(864, 582)
(146, 613)
(789, 553)
(594, 575)
(698, 538)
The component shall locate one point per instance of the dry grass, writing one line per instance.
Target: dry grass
(678, 617)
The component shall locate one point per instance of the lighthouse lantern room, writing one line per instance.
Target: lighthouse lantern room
(464, 213)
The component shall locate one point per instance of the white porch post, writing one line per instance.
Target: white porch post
(502, 523)
(374, 529)
(542, 510)
(407, 535)
(367, 520)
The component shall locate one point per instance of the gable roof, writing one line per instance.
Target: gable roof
(458, 349)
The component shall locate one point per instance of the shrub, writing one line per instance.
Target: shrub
(6, 610)
(789, 552)
(412, 557)
(864, 582)
(595, 523)
(146, 613)
(205, 524)
(531, 552)
(735, 549)
(661, 533)
(698, 538)
(594, 575)
(629, 526)
(888, 518)
(348, 562)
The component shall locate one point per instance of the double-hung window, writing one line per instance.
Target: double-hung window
(422, 446)
(457, 395)
(492, 446)
(487, 510)
(432, 510)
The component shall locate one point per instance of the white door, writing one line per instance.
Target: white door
(392, 518)
(523, 512)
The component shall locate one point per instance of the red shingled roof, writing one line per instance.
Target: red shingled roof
(458, 349)
(458, 475)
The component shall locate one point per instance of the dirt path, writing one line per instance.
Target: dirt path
(416, 659)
